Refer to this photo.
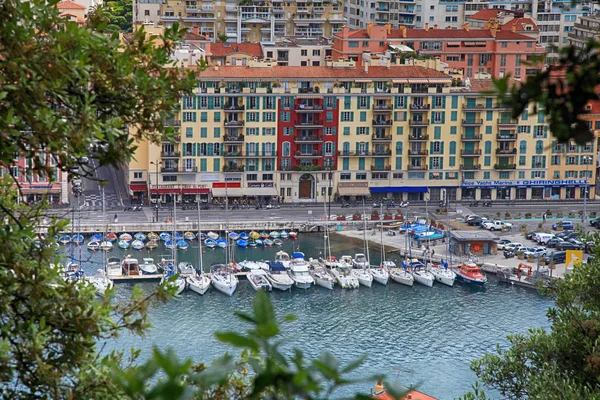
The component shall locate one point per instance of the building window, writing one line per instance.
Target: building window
(361, 176)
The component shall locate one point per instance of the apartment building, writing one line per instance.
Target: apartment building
(494, 50)
(586, 29)
(297, 52)
(248, 21)
(396, 131)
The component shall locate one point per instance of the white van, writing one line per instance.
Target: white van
(542, 238)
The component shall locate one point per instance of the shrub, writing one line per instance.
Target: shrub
(527, 215)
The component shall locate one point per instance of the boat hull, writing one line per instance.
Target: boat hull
(461, 278)
(325, 283)
(302, 284)
(364, 279)
(225, 287)
(198, 284)
(424, 280)
(403, 279)
(380, 278)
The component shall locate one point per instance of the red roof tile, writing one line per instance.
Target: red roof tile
(193, 36)
(223, 49)
(413, 394)
(287, 72)
(519, 24)
(508, 35)
(69, 5)
(485, 15)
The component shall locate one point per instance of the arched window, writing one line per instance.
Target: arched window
(523, 146)
(488, 147)
(286, 149)
(328, 148)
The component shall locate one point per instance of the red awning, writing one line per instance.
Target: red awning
(196, 191)
(165, 191)
(138, 187)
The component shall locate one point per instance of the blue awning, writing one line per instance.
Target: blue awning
(399, 189)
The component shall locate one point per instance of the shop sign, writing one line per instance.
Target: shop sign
(260, 184)
(538, 182)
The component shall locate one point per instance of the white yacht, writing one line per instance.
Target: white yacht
(443, 274)
(258, 280)
(402, 276)
(100, 281)
(278, 276)
(299, 273)
(93, 245)
(186, 269)
(113, 267)
(198, 282)
(106, 245)
(360, 261)
(321, 275)
(148, 267)
(223, 279)
(283, 257)
(345, 261)
(344, 277)
(179, 283)
(380, 275)
(363, 276)
(421, 274)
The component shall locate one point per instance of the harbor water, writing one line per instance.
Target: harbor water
(418, 335)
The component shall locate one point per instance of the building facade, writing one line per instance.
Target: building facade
(262, 131)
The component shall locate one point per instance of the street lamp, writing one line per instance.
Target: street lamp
(156, 205)
(587, 161)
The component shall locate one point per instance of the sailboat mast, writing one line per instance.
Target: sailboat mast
(325, 235)
(174, 243)
(381, 236)
(104, 225)
(200, 242)
(366, 244)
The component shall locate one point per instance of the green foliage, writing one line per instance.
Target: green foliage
(560, 363)
(223, 38)
(562, 101)
(120, 15)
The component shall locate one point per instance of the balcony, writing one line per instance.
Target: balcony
(173, 122)
(380, 138)
(384, 168)
(420, 138)
(376, 153)
(233, 139)
(313, 154)
(179, 170)
(307, 108)
(505, 166)
(417, 167)
(233, 123)
(507, 123)
(383, 107)
(419, 153)
(169, 154)
(420, 107)
(470, 138)
(506, 138)
(382, 122)
(474, 167)
(309, 123)
(506, 152)
(233, 108)
(308, 139)
(381, 153)
(419, 122)
(470, 153)
(474, 107)
(472, 122)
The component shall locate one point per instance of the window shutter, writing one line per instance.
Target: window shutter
(442, 148)
(264, 149)
(211, 103)
(431, 147)
(194, 149)
(333, 148)
(209, 149)
(357, 147)
(357, 130)
(334, 131)
(324, 130)
(444, 114)
(367, 147)
(368, 131)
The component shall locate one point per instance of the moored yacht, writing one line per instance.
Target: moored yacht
(421, 274)
(100, 282)
(443, 274)
(278, 276)
(321, 275)
(344, 277)
(380, 274)
(223, 279)
(360, 261)
(258, 280)
(469, 272)
(298, 271)
(148, 267)
(402, 275)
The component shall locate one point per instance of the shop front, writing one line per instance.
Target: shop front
(353, 191)
(540, 189)
(260, 193)
(226, 191)
(52, 193)
(399, 193)
(194, 194)
(138, 193)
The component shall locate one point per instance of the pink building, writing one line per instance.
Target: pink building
(494, 50)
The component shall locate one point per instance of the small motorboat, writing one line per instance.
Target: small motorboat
(130, 265)
(137, 245)
(152, 236)
(126, 236)
(278, 276)
(100, 281)
(323, 277)
(97, 237)
(93, 245)
(259, 242)
(402, 275)
(223, 279)
(222, 243)
(244, 236)
(199, 283)
(77, 239)
(179, 283)
(186, 268)
(283, 234)
(242, 243)
(258, 280)
(421, 274)
(113, 267)
(360, 261)
(170, 244)
(64, 239)
(278, 242)
(152, 244)
(283, 257)
(274, 235)
(264, 235)
(210, 243)
(254, 235)
(164, 236)
(299, 273)
(178, 236)
(293, 235)
(182, 244)
(443, 274)
(124, 244)
(344, 277)
(106, 245)
(252, 243)
(189, 236)
(268, 242)
(234, 236)
(140, 236)
(469, 272)
(247, 266)
(380, 275)
(148, 267)
(111, 237)
(202, 236)
(212, 235)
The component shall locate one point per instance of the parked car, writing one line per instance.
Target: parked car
(553, 242)
(568, 246)
(476, 221)
(536, 252)
(530, 235)
(558, 257)
(566, 225)
(502, 243)
(496, 225)
(514, 246)
(567, 235)
(542, 238)
(595, 222)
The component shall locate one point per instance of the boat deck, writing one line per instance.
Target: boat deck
(136, 278)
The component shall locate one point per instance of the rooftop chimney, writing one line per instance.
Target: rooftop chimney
(388, 27)
(435, 26)
(426, 26)
(345, 32)
(366, 68)
(403, 29)
(466, 26)
(388, 63)
(513, 28)
(369, 28)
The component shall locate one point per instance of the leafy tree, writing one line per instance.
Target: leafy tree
(223, 38)
(562, 363)
(120, 14)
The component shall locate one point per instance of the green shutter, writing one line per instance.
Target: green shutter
(368, 128)
(357, 130)
(431, 147)
(345, 164)
(442, 148)
(444, 115)
(452, 162)
(211, 103)
(194, 149)
(357, 147)
(216, 164)
(203, 164)
(442, 162)
(398, 163)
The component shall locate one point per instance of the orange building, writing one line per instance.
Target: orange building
(72, 11)
(495, 50)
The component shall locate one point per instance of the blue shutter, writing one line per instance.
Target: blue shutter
(194, 149)
(442, 148)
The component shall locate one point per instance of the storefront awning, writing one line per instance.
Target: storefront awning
(402, 48)
(40, 190)
(263, 191)
(138, 187)
(196, 191)
(399, 189)
(231, 192)
(354, 191)
(165, 191)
